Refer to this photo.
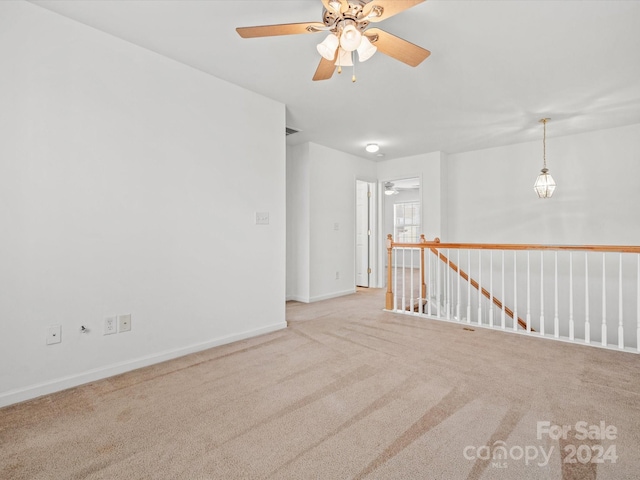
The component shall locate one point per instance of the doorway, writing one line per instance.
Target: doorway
(401, 215)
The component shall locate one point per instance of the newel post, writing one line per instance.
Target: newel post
(423, 294)
(389, 297)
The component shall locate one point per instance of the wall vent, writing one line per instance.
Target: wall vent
(291, 131)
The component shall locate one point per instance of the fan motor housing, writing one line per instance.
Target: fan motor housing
(334, 19)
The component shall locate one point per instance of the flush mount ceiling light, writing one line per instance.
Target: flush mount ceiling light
(372, 147)
(545, 184)
(349, 38)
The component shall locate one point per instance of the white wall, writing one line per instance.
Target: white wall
(428, 168)
(491, 199)
(298, 222)
(128, 184)
(329, 189)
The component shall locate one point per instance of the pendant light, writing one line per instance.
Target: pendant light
(545, 184)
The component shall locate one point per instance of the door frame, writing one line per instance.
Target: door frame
(373, 229)
(382, 204)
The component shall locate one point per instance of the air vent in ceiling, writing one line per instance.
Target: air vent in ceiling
(291, 131)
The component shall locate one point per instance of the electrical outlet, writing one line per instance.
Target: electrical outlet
(124, 323)
(337, 275)
(110, 325)
(54, 334)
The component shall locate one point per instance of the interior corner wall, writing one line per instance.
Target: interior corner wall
(332, 190)
(491, 198)
(129, 184)
(298, 222)
(321, 221)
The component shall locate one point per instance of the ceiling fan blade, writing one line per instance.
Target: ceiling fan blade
(325, 69)
(345, 5)
(389, 8)
(283, 29)
(396, 47)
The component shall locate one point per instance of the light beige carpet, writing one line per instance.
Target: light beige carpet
(347, 391)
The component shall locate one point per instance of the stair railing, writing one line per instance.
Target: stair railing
(588, 286)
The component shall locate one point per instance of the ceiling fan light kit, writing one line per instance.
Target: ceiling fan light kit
(347, 22)
(327, 48)
(366, 49)
(350, 37)
(390, 189)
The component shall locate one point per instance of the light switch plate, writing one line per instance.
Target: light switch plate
(262, 218)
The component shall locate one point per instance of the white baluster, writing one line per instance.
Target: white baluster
(504, 297)
(571, 324)
(542, 292)
(479, 287)
(491, 288)
(429, 287)
(404, 280)
(620, 321)
(515, 291)
(469, 291)
(528, 291)
(420, 299)
(395, 278)
(556, 321)
(587, 325)
(603, 340)
(447, 289)
(458, 288)
(412, 273)
(439, 285)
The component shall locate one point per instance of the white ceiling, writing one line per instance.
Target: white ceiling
(496, 67)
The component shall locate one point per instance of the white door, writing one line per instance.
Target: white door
(363, 233)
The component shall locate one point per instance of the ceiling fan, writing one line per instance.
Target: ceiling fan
(347, 22)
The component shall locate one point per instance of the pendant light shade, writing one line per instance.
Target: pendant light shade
(545, 184)
(328, 47)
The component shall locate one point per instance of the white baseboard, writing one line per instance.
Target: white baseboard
(297, 298)
(332, 295)
(19, 395)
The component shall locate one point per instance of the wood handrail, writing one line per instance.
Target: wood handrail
(518, 246)
(476, 285)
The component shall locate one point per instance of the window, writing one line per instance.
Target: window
(406, 222)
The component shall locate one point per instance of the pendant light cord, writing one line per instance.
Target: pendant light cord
(544, 143)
